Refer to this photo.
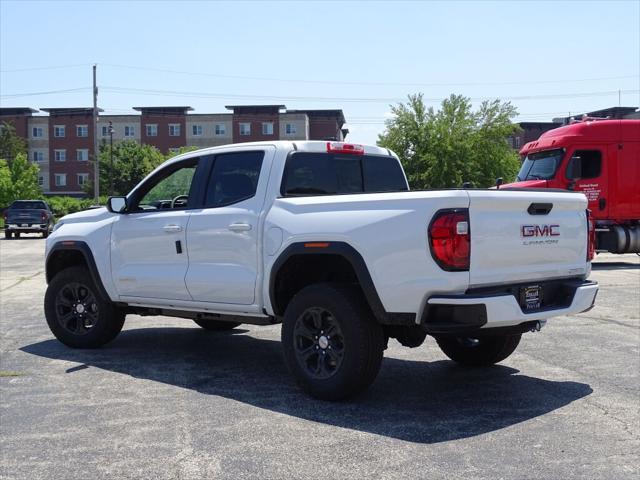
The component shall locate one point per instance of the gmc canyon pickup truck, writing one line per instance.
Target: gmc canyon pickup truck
(327, 239)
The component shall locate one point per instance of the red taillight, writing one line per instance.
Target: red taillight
(449, 239)
(340, 147)
(591, 237)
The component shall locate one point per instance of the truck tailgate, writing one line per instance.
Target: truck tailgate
(520, 236)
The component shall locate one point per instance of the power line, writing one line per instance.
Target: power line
(285, 98)
(340, 82)
(33, 69)
(50, 92)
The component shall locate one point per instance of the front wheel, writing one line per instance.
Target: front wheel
(480, 351)
(77, 314)
(332, 345)
(7, 234)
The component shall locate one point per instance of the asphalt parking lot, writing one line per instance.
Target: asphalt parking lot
(167, 399)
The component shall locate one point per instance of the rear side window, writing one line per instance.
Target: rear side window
(234, 178)
(309, 173)
(584, 164)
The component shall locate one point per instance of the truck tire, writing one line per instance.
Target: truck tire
(45, 234)
(217, 325)
(7, 234)
(77, 314)
(16, 234)
(481, 351)
(332, 345)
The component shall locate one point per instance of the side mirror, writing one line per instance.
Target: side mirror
(572, 184)
(117, 204)
(499, 181)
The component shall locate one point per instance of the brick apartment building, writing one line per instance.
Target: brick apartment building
(532, 130)
(61, 143)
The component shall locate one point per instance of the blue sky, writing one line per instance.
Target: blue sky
(358, 56)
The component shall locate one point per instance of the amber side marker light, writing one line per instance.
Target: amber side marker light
(68, 242)
(316, 245)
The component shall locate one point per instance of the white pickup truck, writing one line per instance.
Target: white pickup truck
(327, 239)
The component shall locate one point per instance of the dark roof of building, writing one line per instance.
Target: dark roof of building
(323, 113)
(255, 108)
(15, 111)
(612, 111)
(70, 110)
(539, 124)
(166, 110)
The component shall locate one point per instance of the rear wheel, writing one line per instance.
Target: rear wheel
(7, 234)
(332, 345)
(77, 314)
(217, 325)
(480, 351)
(16, 234)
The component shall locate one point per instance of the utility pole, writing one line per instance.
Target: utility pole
(96, 166)
(110, 158)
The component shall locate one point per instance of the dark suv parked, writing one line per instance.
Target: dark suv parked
(28, 216)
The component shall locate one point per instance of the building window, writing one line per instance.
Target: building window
(38, 156)
(152, 130)
(40, 180)
(174, 129)
(129, 131)
(60, 155)
(82, 155)
(58, 131)
(83, 179)
(196, 130)
(82, 131)
(60, 179)
(267, 128)
(518, 142)
(220, 129)
(290, 129)
(105, 130)
(37, 132)
(174, 150)
(245, 129)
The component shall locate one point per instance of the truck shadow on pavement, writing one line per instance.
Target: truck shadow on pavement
(615, 266)
(424, 402)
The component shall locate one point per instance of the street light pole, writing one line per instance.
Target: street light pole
(110, 158)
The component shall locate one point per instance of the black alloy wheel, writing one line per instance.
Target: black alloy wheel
(318, 343)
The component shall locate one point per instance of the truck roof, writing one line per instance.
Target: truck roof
(298, 145)
(601, 131)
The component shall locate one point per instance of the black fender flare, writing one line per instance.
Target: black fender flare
(359, 266)
(85, 251)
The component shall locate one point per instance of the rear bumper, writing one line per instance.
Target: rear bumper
(30, 228)
(485, 310)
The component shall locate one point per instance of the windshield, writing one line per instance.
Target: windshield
(28, 206)
(540, 165)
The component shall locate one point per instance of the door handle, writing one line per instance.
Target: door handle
(239, 227)
(172, 228)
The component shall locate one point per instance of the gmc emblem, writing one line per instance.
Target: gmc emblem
(540, 230)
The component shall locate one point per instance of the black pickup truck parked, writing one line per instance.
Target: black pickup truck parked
(28, 216)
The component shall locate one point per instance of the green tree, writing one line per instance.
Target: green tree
(453, 145)
(10, 143)
(18, 180)
(131, 163)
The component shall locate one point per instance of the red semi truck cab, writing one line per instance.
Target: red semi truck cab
(600, 158)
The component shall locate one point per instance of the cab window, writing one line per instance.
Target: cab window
(168, 189)
(234, 178)
(584, 164)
